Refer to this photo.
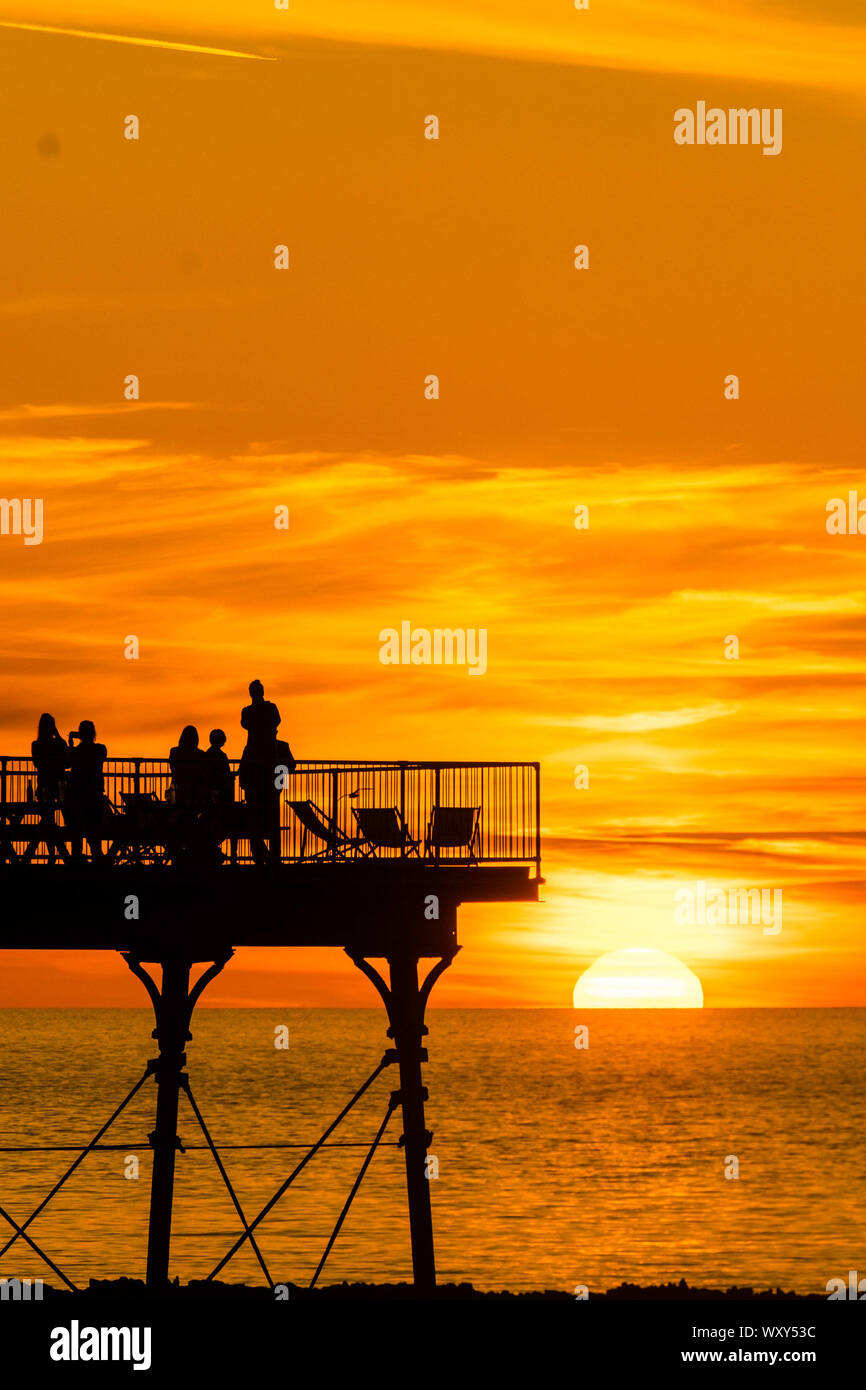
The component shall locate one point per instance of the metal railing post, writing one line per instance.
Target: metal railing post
(335, 808)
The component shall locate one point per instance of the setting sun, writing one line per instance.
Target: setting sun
(637, 978)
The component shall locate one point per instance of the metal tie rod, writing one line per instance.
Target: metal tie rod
(356, 1184)
(19, 1230)
(385, 1062)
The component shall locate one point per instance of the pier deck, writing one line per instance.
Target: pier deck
(369, 905)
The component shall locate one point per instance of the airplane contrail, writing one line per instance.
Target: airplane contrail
(145, 43)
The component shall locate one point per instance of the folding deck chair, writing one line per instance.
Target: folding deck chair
(453, 827)
(316, 824)
(383, 827)
(140, 831)
(30, 823)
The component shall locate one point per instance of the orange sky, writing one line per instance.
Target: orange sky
(605, 387)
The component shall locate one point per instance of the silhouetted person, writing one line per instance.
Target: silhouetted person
(188, 771)
(217, 824)
(85, 790)
(257, 774)
(50, 753)
(261, 719)
(194, 835)
(220, 778)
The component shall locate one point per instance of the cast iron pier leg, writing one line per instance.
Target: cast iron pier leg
(408, 1031)
(406, 1002)
(173, 1007)
(171, 1035)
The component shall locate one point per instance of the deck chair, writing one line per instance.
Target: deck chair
(33, 833)
(383, 827)
(337, 845)
(139, 832)
(453, 827)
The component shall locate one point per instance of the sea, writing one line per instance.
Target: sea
(720, 1146)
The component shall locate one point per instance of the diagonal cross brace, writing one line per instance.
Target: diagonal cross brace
(387, 1060)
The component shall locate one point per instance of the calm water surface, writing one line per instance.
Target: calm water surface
(556, 1166)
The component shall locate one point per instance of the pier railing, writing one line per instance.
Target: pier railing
(505, 795)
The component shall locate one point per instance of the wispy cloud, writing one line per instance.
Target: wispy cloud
(137, 40)
(68, 412)
(644, 721)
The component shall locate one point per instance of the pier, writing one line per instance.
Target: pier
(375, 858)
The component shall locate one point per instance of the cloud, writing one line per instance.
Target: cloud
(794, 43)
(69, 412)
(137, 40)
(793, 605)
(644, 721)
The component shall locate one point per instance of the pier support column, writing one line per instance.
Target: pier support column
(173, 1006)
(406, 1003)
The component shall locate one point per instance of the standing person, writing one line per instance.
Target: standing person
(85, 792)
(257, 774)
(50, 755)
(188, 794)
(188, 771)
(220, 778)
(219, 820)
(260, 718)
